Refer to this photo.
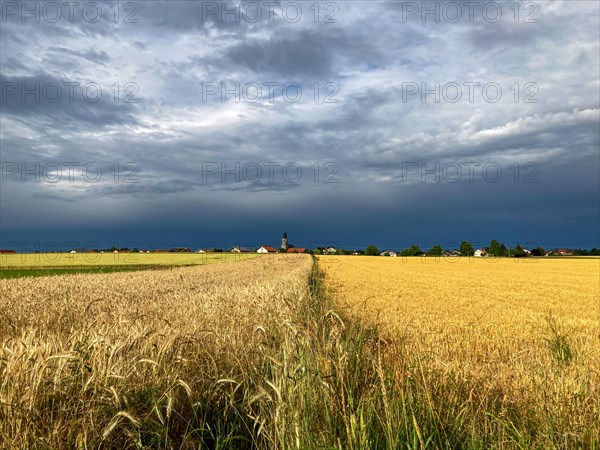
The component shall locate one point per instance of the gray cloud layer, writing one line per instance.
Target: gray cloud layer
(363, 130)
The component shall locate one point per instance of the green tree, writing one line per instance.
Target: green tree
(518, 251)
(503, 251)
(466, 249)
(371, 250)
(436, 250)
(538, 251)
(412, 251)
(494, 248)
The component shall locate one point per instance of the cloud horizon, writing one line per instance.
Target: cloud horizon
(344, 123)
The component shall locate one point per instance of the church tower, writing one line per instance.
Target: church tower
(284, 241)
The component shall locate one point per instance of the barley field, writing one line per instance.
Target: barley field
(143, 359)
(515, 341)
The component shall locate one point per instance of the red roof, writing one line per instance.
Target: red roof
(269, 249)
(296, 250)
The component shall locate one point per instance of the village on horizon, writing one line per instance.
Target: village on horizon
(466, 249)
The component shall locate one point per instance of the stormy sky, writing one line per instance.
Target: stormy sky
(346, 123)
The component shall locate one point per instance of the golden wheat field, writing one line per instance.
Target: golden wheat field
(121, 360)
(526, 330)
(38, 260)
(270, 353)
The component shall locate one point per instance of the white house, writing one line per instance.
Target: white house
(480, 253)
(330, 251)
(72, 251)
(200, 251)
(266, 249)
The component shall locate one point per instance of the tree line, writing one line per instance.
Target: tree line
(495, 249)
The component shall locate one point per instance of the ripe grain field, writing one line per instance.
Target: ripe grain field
(511, 345)
(50, 264)
(269, 353)
(66, 260)
(142, 359)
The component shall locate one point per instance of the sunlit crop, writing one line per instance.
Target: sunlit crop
(122, 359)
(522, 335)
(37, 260)
(267, 353)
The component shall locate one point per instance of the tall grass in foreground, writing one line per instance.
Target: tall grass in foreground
(251, 355)
(339, 385)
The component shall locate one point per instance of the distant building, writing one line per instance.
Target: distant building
(296, 250)
(266, 249)
(284, 241)
(480, 253)
(238, 249)
(201, 251)
(560, 252)
(8, 252)
(330, 251)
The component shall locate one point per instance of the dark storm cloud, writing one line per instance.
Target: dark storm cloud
(62, 102)
(304, 54)
(560, 135)
(372, 49)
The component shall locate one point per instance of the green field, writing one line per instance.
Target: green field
(18, 273)
(45, 264)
